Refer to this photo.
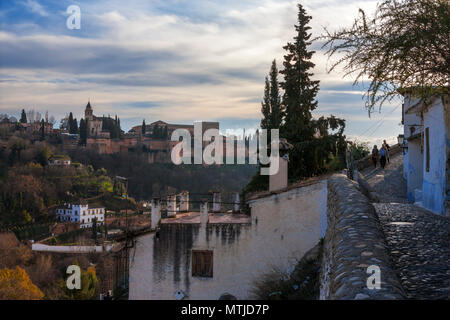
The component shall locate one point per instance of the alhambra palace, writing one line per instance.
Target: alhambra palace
(154, 140)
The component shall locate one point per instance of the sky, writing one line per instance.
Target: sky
(173, 60)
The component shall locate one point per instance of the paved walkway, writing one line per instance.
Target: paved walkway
(418, 240)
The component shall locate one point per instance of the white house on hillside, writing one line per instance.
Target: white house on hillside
(59, 160)
(81, 213)
(426, 151)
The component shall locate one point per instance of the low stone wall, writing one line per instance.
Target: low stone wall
(69, 249)
(353, 242)
(367, 161)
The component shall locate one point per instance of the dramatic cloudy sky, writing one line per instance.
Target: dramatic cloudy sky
(174, 60)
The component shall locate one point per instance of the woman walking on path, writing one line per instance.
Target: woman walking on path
(387, 150)
(375, 155)
(383, 155)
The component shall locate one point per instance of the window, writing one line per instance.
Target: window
(202, 263)
(403, 113)
(427, 141)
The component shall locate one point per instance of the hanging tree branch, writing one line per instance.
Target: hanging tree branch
(404, 45)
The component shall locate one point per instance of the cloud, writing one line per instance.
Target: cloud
(174, 60)
(35, 7)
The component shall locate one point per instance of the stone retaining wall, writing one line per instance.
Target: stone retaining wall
(69, 249)
(353, 242)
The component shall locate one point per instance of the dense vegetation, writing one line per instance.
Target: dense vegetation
(318, 144)
(29, 187)
(27, 274)
(146, 180)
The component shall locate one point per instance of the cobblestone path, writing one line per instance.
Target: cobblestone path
(418, 240)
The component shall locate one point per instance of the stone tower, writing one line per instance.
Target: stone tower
(93, 124)
(88, 113)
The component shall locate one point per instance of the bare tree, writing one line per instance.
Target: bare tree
(405, 44)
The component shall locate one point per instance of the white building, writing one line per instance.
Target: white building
(426, 153)
(81, 213)
(209, 254)
(59, 160)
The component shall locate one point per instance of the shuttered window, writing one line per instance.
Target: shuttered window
(202, 263)
(427, 141)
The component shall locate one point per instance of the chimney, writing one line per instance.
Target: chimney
(171, 206)
(156, 213)
(279, 180)
(184, 202)
(236, 202)
(216, 202)
(204, 216)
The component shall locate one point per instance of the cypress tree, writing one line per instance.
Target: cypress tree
(265, 106)
(271, 107)
(70, 123)
(276, 109)
(75, 126)
(315, 149)
(23, 117)
(83, 132)
(299, 99)
(118, 129)
(94, 229)
(42, 130)
(143, 126)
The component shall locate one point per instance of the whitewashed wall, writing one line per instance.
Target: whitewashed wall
(434, 181)
(283, 228)
(413, 158)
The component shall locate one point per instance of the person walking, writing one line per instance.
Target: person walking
(375, 155)
(387, 150)
(383, 154)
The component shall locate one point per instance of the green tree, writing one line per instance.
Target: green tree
(23, 117)
(42, 130)
(75, 126)
(271, 107)
(276, 108)
(319, 144)
(43, 153)
(143, 126)
(16, 146)
(265, 106)
(119, 130)
(89, 283)
(94, 229)
(112, 126)
(299, 99)
(70, 123)
(83, 132)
